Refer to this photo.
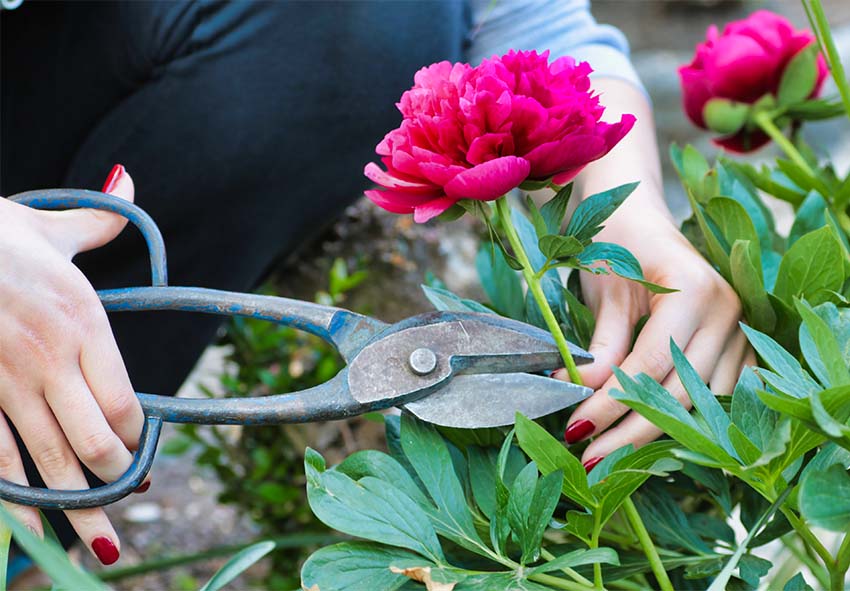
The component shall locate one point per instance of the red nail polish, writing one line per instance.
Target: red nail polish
(112, 179)
(579, 430)
(143, 487)
(105, 550)
(591, 464)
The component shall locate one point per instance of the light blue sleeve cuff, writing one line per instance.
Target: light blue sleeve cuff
(564, 27)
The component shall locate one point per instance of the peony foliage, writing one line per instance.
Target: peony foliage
(447, 509)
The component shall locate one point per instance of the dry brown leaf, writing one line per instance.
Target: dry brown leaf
(422, 574)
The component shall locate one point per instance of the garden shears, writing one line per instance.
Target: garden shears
(450, 368)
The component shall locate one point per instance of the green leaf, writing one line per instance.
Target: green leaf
(717, 250)
(733, 221)
(500, 282)
(581, 318)
(792, 375)
(657, 405)
(825, 498)
(666, 521)
(370, 509)
(560, 247)
(703, 399)
(554, 210)
(430, 457)
(446, 301)
(749, 413)
(238, 564)
(630, 472)
(50, 557)
(693, 169)
(357, 566)
(812, 265)
(821, 348)
(536, 217)
(621, 262)
(725, 116)
(547, 492)
(799, 78)
(811, 215)
(592, 211)
(748, 282)
(577, 558)
(550, 455)
(797, 583)
(374, 463)
(753, 568)
(482, 477)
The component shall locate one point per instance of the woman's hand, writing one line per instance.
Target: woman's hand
(702, 318)
(63, 384)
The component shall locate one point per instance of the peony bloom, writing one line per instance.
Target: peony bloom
(477, 133)
(743, 64)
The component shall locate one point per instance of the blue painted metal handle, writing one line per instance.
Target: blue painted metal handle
(347, 331)
(58, 199)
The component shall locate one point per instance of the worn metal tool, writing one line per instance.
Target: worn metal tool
(457, 369)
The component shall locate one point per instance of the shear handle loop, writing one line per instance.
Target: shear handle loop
(47, 498)
(59, 199)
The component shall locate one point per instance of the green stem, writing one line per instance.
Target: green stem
(594, 543)
(764, 120)
(820, 24)
(647, 545)
(809, 538)
(812, 564)
(536, 290)
(842, 563)
(548, 556)
(559, 583)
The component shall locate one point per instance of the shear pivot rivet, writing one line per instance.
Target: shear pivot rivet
(423, 361)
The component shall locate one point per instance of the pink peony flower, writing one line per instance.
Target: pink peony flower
(743, 64)
(477, 133)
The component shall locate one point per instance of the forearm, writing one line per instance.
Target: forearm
(635, 158)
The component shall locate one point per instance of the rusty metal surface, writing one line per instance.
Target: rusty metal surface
(449, 368)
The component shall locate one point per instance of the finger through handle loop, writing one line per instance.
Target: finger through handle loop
(48, 498)
(60, 199)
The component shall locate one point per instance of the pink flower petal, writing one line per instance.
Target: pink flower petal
(489, 180)
(432, 209)
(374, 173)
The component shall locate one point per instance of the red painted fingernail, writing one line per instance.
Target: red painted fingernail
(591, 464)
(143, 487)
(105, 550)
(112, 179)
(579, 430)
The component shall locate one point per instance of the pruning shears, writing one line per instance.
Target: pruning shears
(456, 369)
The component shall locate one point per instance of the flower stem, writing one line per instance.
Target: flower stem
(842, 564)
(648, 547)
(809, 538)
(559, 583)
(548, 556)
(817, 18)
(536, 290)
(765, 121)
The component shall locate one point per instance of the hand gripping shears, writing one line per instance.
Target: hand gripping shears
(456, 369)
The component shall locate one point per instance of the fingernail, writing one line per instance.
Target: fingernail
(591, 464)
(105, 550)
(143, 487)
(555, 373)
(112, 179)
(579, 430)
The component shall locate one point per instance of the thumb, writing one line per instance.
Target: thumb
(80, 230)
